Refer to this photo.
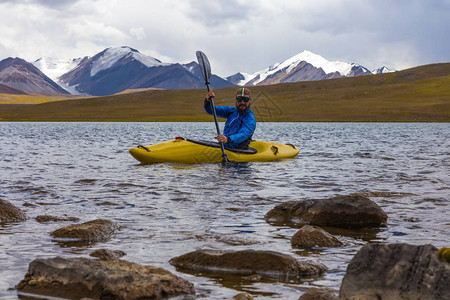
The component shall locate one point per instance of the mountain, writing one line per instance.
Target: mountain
(18, 74)
(120, 68)
(305, 66)
(382, 70)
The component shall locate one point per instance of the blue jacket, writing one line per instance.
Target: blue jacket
(238, 128)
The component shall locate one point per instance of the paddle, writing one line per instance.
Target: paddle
(205, 67)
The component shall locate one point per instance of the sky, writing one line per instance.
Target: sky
(236, 35)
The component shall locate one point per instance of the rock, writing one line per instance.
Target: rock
(45, 218)
(353, 211)
(396, 271)
(10, 213)
(93, 231)
(312, 236)
(268, 264)
(77, 278)
(444, 254)
(243, 296)
(319, 294)
(105, 254)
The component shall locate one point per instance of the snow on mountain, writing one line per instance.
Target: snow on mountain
(112, 55)
(54, 68)
(382, 70)
(293, 64)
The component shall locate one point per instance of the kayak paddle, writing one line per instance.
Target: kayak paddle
(205, 67)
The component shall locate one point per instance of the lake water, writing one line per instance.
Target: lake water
(84, 170)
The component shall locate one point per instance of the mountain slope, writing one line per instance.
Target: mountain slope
(304, 66)
(8, 90)
(18, 74)
(116, 69)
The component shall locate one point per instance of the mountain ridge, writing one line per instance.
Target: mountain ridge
(303, 66)
(116, 69)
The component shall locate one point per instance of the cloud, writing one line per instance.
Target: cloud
(237, 35)
(138, 33)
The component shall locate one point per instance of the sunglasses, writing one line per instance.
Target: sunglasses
(245, 99)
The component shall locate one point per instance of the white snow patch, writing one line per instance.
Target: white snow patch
(382, 70)
(54, 67)
(113, 55)
(247, 78)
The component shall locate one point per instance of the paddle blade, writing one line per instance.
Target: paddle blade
(205, 67)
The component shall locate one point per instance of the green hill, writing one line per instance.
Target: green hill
(417, 94)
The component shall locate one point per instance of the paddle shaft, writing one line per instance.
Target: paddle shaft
(205, 67)
(213, 108)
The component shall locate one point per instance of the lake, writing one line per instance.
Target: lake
(84, 170)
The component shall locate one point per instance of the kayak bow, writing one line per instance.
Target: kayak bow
(187, 151)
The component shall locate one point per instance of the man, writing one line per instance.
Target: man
(240, 124)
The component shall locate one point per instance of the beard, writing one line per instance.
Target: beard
(242, 108)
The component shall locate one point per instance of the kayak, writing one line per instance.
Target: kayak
(186, 151)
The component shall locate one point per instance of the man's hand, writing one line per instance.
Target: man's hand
(221, 138)
(209, 95)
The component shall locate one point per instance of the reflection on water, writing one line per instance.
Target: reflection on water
(84, 170)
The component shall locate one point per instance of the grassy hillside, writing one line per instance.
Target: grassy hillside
(418, 94)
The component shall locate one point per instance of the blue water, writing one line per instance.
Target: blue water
(84, 170)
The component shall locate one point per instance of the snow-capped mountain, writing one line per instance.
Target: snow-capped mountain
(18, 74)
(116, 69)
(382, 70)
(301, 67)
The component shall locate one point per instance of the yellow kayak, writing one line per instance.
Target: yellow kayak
(187, 151)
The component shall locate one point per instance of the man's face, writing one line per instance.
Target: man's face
(242, 104)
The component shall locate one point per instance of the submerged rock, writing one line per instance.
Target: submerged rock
(247, 262)
(105, 254)
(312, 236)
(46, 218)
(93, 231)
(319, 294)
(78, 278)
(10, 213)
(353, 211)
(396, 271)
(243, 296)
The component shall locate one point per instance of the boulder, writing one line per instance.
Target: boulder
(319, 294)
(268, 264)
(93, 231)
(312, 236)
(353, 211)
(243, 296)
(10, 213)
(105, 254)
(396, 271)
(77, 278)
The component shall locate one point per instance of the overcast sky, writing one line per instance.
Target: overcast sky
(236, 35)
